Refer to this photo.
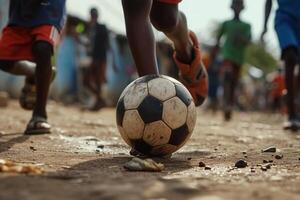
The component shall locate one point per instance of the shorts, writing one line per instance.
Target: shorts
(170, 1)
(16, 42)
(288, 31)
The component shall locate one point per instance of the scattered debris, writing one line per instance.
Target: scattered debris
(33, 148)
(271, 149)
(278, 157)
(11, 167)
(263, 168)
(268, 166)
(207, 168)
(137, 164)
(241, 164)
(202, 164)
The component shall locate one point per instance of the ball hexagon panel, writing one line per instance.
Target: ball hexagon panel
(133, 125)
(157, 133)
(171, 79)
(120, 111)
(124, 136)
(141, 146)
(191, 117)
(135, 95)
(179, 135)
(183, 94)
(151, 109)
(163, 150)
(161, 88)
(174, 113)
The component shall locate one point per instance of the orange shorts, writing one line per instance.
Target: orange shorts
(16, 42)
(170, 1)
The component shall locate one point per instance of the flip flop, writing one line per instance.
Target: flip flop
(27, 98)
(37, 126)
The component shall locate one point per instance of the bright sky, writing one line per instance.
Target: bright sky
(201, 15)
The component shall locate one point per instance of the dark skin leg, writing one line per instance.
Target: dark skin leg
(42, 52)
(140, 35)
(23, 68)
(290, 58)
(174, 25)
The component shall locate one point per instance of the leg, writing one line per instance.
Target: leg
(290, 58)
(42, 52)
(173, 23)
(166, 18)
(24, 68)
(140, 35)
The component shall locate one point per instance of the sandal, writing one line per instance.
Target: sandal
(37, 126)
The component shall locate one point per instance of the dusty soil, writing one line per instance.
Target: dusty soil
(84, 156)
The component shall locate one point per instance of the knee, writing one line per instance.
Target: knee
(42, 51)
(290, 56)
(167, 22)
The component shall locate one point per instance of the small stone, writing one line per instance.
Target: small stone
(265, 161)
(241, 164)
(97, 151)
(202, 164)
(252, 170)
(207, 168)
(271, 149)
(32, 148)
(100, 146)
(299, 159)
(268, 166)
(270, 161)
(263, 168)
(244, 152)
(278, 157)
(189, 158)
(216, 149)
(245, 156)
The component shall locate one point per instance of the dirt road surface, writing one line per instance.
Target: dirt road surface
(84, 156)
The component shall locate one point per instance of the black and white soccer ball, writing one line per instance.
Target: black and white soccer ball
(156, 115)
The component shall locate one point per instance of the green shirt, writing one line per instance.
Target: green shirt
(237, 35)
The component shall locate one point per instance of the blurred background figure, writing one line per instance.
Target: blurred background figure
(97, 50)
(237, 35)
(278, 90)
(287, 26)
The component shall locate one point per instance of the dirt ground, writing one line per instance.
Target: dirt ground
(84, 157)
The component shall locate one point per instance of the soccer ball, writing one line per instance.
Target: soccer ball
(156, 115)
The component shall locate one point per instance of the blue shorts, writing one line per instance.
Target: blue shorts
(288, 31)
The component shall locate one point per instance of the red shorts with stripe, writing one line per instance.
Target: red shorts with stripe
(170, 1)
(16, 42)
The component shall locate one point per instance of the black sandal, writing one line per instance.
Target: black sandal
(37, 126)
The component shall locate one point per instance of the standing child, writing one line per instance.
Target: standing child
(237, 34)
(287, 26)
(165, 16)
(31, 34)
